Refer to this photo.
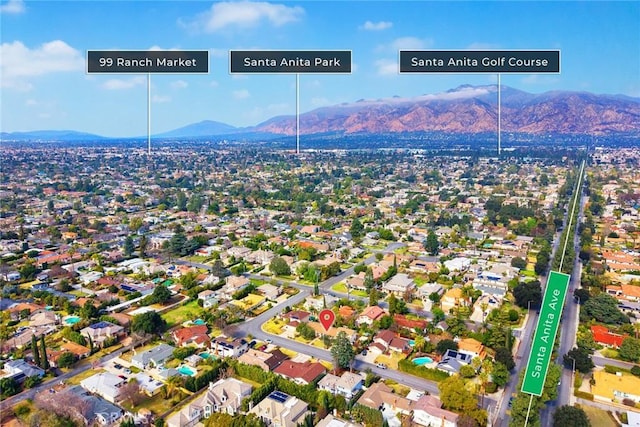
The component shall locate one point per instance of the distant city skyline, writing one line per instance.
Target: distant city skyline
(44, 44)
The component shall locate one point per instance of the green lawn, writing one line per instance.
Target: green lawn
(339, 287)
(189, 311)
(599, 417)
(83, 375)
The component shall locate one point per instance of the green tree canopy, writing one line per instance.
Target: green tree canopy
(582, 360)
(342, 351)
(150, 322)
(570, 416)
(603, 308)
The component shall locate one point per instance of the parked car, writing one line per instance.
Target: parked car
(117, 366)
(364, 352)
(381, 365)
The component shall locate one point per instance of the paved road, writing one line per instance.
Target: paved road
(501, 418)
(569, 323)
(30, 394)
(601, 361)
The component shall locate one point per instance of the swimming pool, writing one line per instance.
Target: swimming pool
(199, 322)
(205, 355)
(71, 320)
(186, 370)
(422, 360)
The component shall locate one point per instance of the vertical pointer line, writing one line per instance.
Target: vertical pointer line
(149, 113)
(526, 420)
(297, 113)
(499, 116)
(573, 208)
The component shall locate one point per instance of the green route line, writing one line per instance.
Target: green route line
(549, 319)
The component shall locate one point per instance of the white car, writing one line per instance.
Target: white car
(381, 365)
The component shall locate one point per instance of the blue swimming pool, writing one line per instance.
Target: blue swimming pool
(206, 355)
(199, 322)
(422, 360)
(71, 320)
(186, 370)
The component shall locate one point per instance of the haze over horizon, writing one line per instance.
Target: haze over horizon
(44, 43)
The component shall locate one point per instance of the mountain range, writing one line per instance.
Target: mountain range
(465, 109)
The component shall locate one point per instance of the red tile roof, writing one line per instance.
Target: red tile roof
(604, 336)
(190, 333)
(307, 371)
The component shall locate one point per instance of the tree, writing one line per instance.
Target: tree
(149, 322)
(32, 381)
(630, 349)
(444, 345)
(160, 295)
(527, 293)
(8, 387)
(279, 267)
(431, 244)
(580, 357)
(582, 295)
(504, 356)
(34, 350)
(603, 308)
(500, 374)
(356, 229)
(142, 246)
(45, 360)
(456, 397)
(128, 246)
(89, 311)
(518, 262)
(65, 360)
(570, 416)
(342, 351)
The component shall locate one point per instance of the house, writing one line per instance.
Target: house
(427, 411)
(453, 360)
(333, 331)
(223, 347)
(78, 350)
(148, 385)
(347, 385)
(473, 347)
(384, 338)
(602, 335)
(425, 291)
(296, 315)
(104, 384)
(279, 409)
(225, 396)
(404, 322)
(380, 397)
(400, 345)
(357, 282)
(453, 298)
(209, 298)
(99, 332)
(399, 285)
(191, 335)
(331, 421)
(269, 291)
(301, 373)
(610, 387)
(20, 370)
(95, 408)
(43, 318)
(370, 315)
(155, 356)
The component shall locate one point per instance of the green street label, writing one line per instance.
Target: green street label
(545, 334)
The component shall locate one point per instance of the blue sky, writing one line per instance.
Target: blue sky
(44, 44)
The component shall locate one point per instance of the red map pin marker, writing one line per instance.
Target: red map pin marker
(327, 317)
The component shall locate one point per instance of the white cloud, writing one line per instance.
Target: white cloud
(481, 46)
(538, 79)
(18, 62)
(31, 102)
(244, 14)
(319, 101)
(386, 67)
(120, 84)
(376, 26)
(13, 7)
(160, 99)
(156, 47)
(239, 77)
(241, 94)
(179, 84)
(406, 43)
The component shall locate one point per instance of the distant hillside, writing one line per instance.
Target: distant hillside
(203, 128)
(49, 135)
(472, 109)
